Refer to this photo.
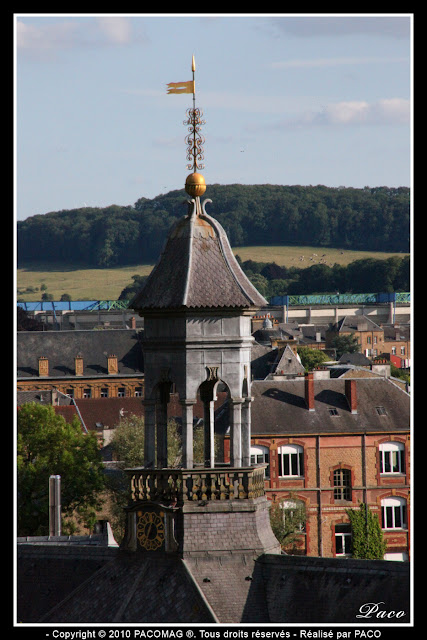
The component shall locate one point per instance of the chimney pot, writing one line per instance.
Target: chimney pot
(43, 366)
(112, 365)
(78, 364)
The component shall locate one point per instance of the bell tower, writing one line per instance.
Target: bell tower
(197, 305)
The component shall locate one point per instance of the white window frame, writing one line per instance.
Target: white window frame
(291, 458)
(345, 537)
(392, 458)
(393, 513)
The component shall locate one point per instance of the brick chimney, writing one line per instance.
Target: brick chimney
(309, 390)
(78, 365)
(112, 365)
(351, 395)
(43, 366)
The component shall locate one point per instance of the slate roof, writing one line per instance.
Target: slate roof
(94, 585)
(288, 363)
(279, 407)
(197, 269)
(61, 347)
(356, 323)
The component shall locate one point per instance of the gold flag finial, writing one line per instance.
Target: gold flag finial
(194, 139)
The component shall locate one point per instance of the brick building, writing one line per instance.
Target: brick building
(331, 444)
(81, 364)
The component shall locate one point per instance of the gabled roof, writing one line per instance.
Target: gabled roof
(197, 269)
(61, 347)
(288, 363)
(356, 323)
(279, 407)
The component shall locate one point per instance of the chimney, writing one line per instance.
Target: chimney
(112, 365)
(78, 365)
(43, 366)
(351, 395)
(55, 505)
(133, 323)
(309, 390)
(318, 336)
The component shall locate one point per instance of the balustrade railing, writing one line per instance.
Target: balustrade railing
(182, 485)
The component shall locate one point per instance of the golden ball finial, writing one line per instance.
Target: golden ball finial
(195, 184)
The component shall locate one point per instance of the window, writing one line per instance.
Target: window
(291, 460)
(333, 411)
(70, 392)
(381, 411)
(342, 484)
(104, 392)
(260, 455)
(342, 540)
(368, 339)
(392, 457)
(87, 393)
(138, 392)
(121, 392)
(402, 351)
(393, 513)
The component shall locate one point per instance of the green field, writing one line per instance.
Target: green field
(107, 284)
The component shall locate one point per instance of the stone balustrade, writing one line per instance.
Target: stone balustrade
(182, 485)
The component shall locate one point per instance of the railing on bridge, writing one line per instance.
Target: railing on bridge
(340, 298)
(288, 301)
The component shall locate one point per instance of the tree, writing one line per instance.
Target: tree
(367, 540)
(47, 445)
(287, 519)
(311, 358)
(345, 344)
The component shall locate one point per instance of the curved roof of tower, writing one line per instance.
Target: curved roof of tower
(197, 269)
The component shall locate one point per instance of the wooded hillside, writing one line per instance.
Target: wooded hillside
(375, 219)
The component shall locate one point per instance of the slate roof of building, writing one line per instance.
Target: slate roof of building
(61, 347)
(358, 359)
(93, 585)
(279, 407)
(357, 323)
(288, 363)
(197, 269)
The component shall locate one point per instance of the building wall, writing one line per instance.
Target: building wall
(132, 387)
(358, 454)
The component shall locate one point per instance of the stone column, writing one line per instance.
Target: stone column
(149, 433)
(162, 434)
(209, 433)
(187, 433)
(246, 432)
(236, 432)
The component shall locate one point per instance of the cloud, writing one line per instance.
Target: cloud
(49, 37)
(384, 112)
(117, 30)
(311, 26)
(333, 62)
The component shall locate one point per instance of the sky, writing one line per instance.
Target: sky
(287, 99)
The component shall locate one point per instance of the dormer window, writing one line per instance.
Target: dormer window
(381, 411)
(333, 411)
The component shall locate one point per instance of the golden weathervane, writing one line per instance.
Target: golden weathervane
(195, 183)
